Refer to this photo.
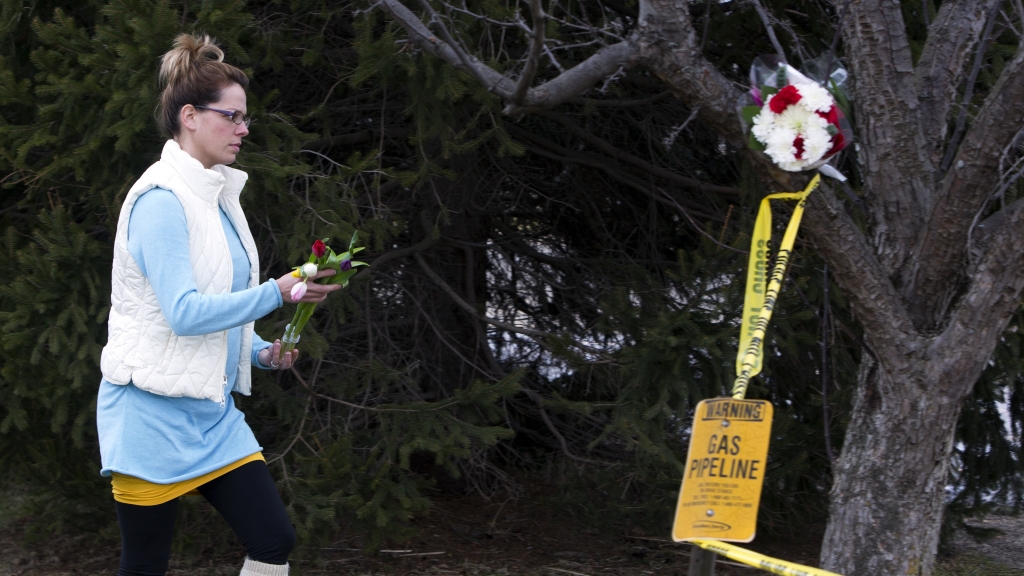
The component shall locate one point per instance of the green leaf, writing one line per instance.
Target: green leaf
(749, 112)
(754, 143)
(841, 100)
(341, 277)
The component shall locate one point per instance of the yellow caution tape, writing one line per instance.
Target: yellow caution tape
(758, 303)
(760, 561)
(762, 292)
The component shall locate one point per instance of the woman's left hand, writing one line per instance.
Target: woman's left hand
(271, 357)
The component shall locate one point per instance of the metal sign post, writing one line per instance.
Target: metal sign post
(702, 562)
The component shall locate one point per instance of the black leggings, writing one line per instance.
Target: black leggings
(246, 497)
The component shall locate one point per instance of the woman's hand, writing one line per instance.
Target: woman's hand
(315, 293)
(272, 357)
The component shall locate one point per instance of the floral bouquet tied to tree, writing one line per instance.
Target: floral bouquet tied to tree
(322, 257)
(799, 119)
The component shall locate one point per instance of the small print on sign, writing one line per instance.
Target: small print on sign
(724, 470)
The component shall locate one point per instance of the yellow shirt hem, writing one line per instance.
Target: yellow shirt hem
(132, 490)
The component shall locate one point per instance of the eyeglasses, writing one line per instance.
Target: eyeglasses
(235, 116)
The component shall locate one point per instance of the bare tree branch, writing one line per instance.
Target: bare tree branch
(956, 28)
(554, 430)
(379, 262)
(609, 149)
(669, 47)
(564, 264)
(617, 103)
(961, 120)
(559, 153)
(874, 298)
(358, 329)
(536, 46)
(970, 181)
(895, 165)
(421, 36)
(1019, 6)
(468, 63)
(766, 20)
(535, 334)
(876, 32)
(982, 314)
(383, 408)
(787, 25)
(353, 138)
(548, 149)
(580, 78)
(572, 82)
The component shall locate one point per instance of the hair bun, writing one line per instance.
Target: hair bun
(188, 53)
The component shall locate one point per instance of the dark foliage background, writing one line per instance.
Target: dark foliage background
(550, 293)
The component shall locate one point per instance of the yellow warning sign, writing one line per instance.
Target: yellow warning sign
(725, 468)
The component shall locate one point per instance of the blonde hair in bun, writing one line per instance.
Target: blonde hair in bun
(187, 52)
(193, 72)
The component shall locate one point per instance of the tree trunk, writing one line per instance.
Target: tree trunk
(889, 492)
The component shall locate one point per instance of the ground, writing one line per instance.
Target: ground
(470, 536)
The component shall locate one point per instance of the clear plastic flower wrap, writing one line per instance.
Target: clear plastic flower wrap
(797, 118)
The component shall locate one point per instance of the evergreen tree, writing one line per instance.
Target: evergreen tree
(77, 128)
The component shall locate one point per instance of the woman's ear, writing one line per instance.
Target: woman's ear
(187, 117)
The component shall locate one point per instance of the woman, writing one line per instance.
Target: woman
(185, 294)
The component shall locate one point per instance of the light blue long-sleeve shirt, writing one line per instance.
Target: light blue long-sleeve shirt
(163, 439)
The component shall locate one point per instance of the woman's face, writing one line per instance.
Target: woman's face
(211, 137)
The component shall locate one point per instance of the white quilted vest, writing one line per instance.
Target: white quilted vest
(141, 347)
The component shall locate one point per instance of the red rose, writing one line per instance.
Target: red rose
(319, 248)
(785, 97)
(799, 145)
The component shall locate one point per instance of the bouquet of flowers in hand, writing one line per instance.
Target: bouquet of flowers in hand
(321, 258)
(797, 119)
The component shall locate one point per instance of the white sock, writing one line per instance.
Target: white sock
(254, 568)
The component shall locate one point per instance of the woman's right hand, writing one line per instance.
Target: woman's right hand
(315, 293)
